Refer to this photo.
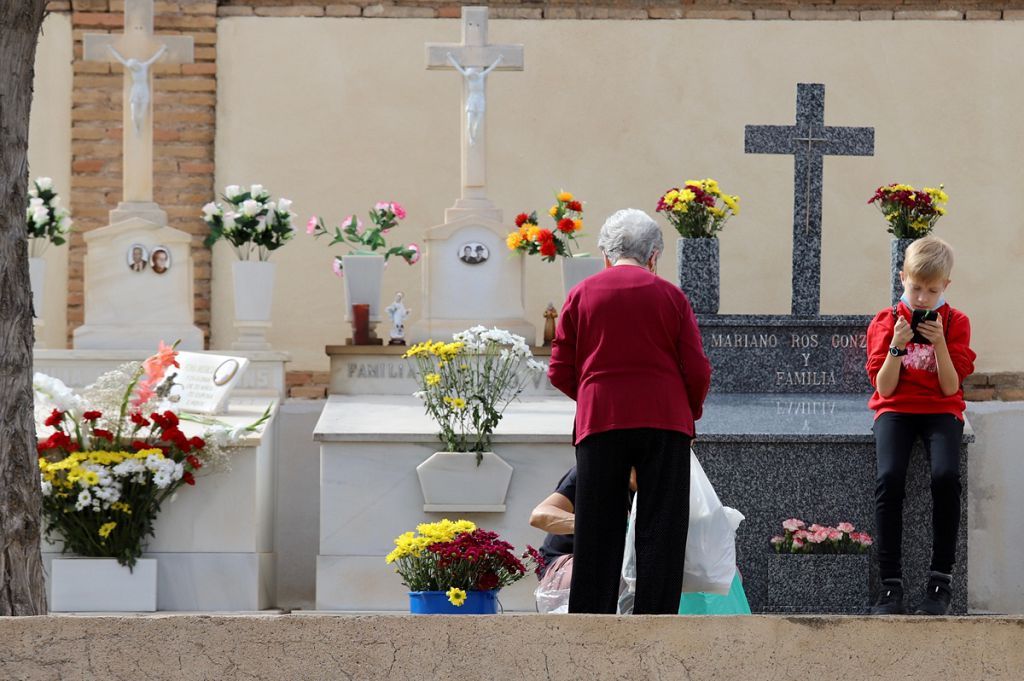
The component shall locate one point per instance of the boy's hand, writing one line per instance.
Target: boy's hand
(901, 333)
(933, 332)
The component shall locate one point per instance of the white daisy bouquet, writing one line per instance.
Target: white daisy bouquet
(466, 384)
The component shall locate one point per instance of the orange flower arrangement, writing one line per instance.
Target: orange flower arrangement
(530, 238)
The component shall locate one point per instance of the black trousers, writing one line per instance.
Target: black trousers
(603, 460)
(894, 437)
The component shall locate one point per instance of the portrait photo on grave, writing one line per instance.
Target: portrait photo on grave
(225, 371)
(474, 253)
(137, 257)
(161, 259)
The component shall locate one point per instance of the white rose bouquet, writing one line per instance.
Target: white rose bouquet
(46, 221)
(251, 222)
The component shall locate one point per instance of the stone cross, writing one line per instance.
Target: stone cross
(137, 49)
(474, 58)
(808, 141)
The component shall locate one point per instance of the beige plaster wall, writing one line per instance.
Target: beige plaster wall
(339, 113)
(49, 154)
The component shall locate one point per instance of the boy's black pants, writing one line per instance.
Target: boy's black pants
(895, 434)
(603, 460)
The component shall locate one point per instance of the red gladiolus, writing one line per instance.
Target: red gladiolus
(91, 415)
(188, 478)
(54, 419)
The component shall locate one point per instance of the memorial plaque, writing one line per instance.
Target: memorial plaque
(770, 354)
(207, 380)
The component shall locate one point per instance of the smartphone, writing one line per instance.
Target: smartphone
(918, 317)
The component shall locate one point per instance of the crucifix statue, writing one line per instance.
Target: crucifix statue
(137, 49)
(808, 141)
(474, 58)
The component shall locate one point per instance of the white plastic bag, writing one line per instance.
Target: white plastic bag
(710, 564)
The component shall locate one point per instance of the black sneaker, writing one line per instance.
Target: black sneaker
(890, 598)
(937, 596)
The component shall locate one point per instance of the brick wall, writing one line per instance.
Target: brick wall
(184, 100)
(798, 10)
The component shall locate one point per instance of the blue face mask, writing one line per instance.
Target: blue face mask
(942, 301)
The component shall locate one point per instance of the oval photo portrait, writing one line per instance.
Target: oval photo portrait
(161, 259)
(137, 258)
(473, 253)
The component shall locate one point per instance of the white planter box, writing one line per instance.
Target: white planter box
(452, 481)
(102, 585)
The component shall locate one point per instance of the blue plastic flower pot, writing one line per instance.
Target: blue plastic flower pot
(437, 603)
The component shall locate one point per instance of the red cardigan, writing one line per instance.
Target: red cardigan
(628, 350)
(918, 391)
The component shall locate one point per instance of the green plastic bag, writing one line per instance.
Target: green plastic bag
(734, 603)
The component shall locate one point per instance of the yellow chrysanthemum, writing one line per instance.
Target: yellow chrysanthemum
(533, 232)
(513, 241)
(432, 379)
(90, 478)
(455, 402)
(733, 203)
(456, 596)
(106, 529)
(565, 197)
(122, 507)
(553, 211)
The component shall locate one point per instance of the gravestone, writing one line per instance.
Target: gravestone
(467, 277)
(138, 271)
(786, 431)
(207, 380)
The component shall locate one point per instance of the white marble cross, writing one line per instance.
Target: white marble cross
(474, 59)
(137, 49)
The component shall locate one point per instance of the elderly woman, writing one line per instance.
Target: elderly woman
(628, 350)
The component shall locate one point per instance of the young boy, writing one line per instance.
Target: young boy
(918, 393)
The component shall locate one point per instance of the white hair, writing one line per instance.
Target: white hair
(630, 233)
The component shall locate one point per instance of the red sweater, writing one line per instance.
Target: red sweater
(628, 350)
(918, 391)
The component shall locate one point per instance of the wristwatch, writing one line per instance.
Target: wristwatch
(896, 352)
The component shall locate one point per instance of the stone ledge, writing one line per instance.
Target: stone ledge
(264, 647)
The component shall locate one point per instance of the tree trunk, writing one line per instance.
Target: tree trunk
(22, 589)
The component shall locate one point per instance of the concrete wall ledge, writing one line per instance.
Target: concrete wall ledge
(265, 647)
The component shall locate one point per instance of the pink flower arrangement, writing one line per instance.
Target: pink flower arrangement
(799, 538)
(362, 241)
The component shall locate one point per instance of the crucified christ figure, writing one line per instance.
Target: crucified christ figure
(139, 95)
(476, 101)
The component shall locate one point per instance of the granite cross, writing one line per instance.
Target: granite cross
(137, 49)
(474, 58)
(808, 141)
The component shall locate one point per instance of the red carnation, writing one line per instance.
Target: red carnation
(91, 415)
(521, 219)
(54, 419)
(575, 205)
(139, 420)
(566, 225)
(57, 440)
(197, 442)
(188, 478)
(105, 434)
(194, 461)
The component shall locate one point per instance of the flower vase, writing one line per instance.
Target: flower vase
(818, 583)
(102, 585)
(576, 269)
(37, 278)
(254, 297)
(697, 259)
(897, 252)
(364, 277)
(453, 481)
(437, 603)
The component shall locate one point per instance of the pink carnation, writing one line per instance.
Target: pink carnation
(816, 528)
(803, 534)
(311, 225)
(336, 266)
(776, 540)
(392, 207)
(415, 254)
(834, 534)
(352, 220)
(793, 524)
(845, 527)
(798, 543)
(818, 537)
(862, 538)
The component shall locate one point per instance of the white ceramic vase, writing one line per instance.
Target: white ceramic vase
(575, 270)
(452, 481)
(364, 275)
(102, 585)
(254, 298)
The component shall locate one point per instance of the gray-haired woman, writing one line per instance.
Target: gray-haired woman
(628, 350)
